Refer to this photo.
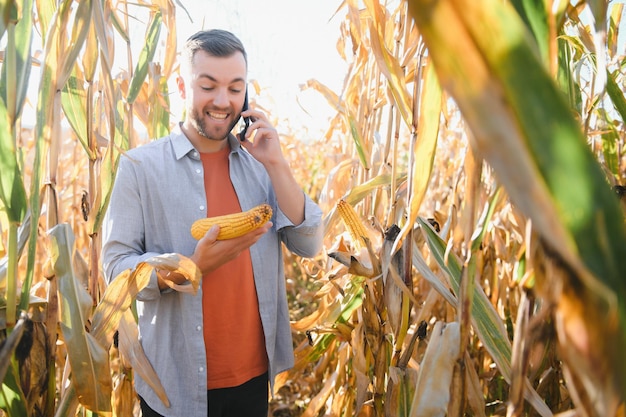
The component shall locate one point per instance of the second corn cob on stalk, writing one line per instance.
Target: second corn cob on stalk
(233, 225)
(353, 223)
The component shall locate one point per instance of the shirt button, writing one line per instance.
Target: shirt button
(199, 328)
(198, 171)
(201, 369)
(195, 153)
(201, 207)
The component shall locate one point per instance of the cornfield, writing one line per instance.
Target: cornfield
(472, 181)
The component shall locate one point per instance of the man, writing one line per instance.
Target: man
(216, 351)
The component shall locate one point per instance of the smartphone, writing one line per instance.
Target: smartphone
(246, 120)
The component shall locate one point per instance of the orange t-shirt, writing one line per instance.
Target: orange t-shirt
(233, 332)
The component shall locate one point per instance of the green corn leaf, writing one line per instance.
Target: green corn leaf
(106, 318)
(88, 358)
(533, 14)
(12, 191)
(525, 129)
(356, 194)
(74, 102)
(146, 56)
(486, 221)
(17, 63)
(533, 142)
(565, 77)
(117, 24)
(8, 348)
(340, 310)
(485, 318)
(8, 10)
(56, 70)
(598, 9)
(159, 105)
(358, 141)
(43, 129)
(616, 94)
(610, 149)
(12, 398)
(614, 40)
(109, 167)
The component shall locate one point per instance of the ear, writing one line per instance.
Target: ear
(181, 87)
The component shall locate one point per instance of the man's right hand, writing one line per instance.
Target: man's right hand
(211, 253)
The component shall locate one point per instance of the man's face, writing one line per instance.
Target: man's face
(214, 91)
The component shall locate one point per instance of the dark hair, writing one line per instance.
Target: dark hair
(215, 42)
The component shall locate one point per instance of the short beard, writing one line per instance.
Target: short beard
(198, 123)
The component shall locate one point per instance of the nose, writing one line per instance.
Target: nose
(221, 98)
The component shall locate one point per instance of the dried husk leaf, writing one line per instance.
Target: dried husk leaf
(432, 393)
(132, 352)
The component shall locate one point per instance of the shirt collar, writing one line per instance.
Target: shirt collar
(182, 146)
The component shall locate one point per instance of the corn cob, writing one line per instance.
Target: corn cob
(233, 225)
(353, 222)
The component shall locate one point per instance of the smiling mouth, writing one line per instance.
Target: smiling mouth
(218, 116)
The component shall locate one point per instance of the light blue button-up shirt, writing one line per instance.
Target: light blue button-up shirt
(158, 194)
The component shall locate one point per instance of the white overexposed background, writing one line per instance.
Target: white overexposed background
(288, 42)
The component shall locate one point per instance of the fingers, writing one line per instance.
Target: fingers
(211, 253)
(211, 234)
(254, 115)
(260, 125)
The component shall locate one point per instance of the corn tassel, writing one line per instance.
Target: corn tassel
(353, 222)
(233, 225)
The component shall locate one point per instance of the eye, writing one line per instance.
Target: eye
(207, 88)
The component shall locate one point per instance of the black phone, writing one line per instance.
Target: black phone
(246, 120)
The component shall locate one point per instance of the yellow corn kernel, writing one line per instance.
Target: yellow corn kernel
(233, 225)
(353, 222)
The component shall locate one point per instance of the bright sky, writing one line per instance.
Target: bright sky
(288, 42)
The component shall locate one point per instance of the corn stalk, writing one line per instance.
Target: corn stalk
(77, 86)
(454, 141)
(518, 235)
(530, 133)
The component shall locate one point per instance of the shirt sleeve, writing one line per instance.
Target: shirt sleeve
(123, 229)
(306, 238)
